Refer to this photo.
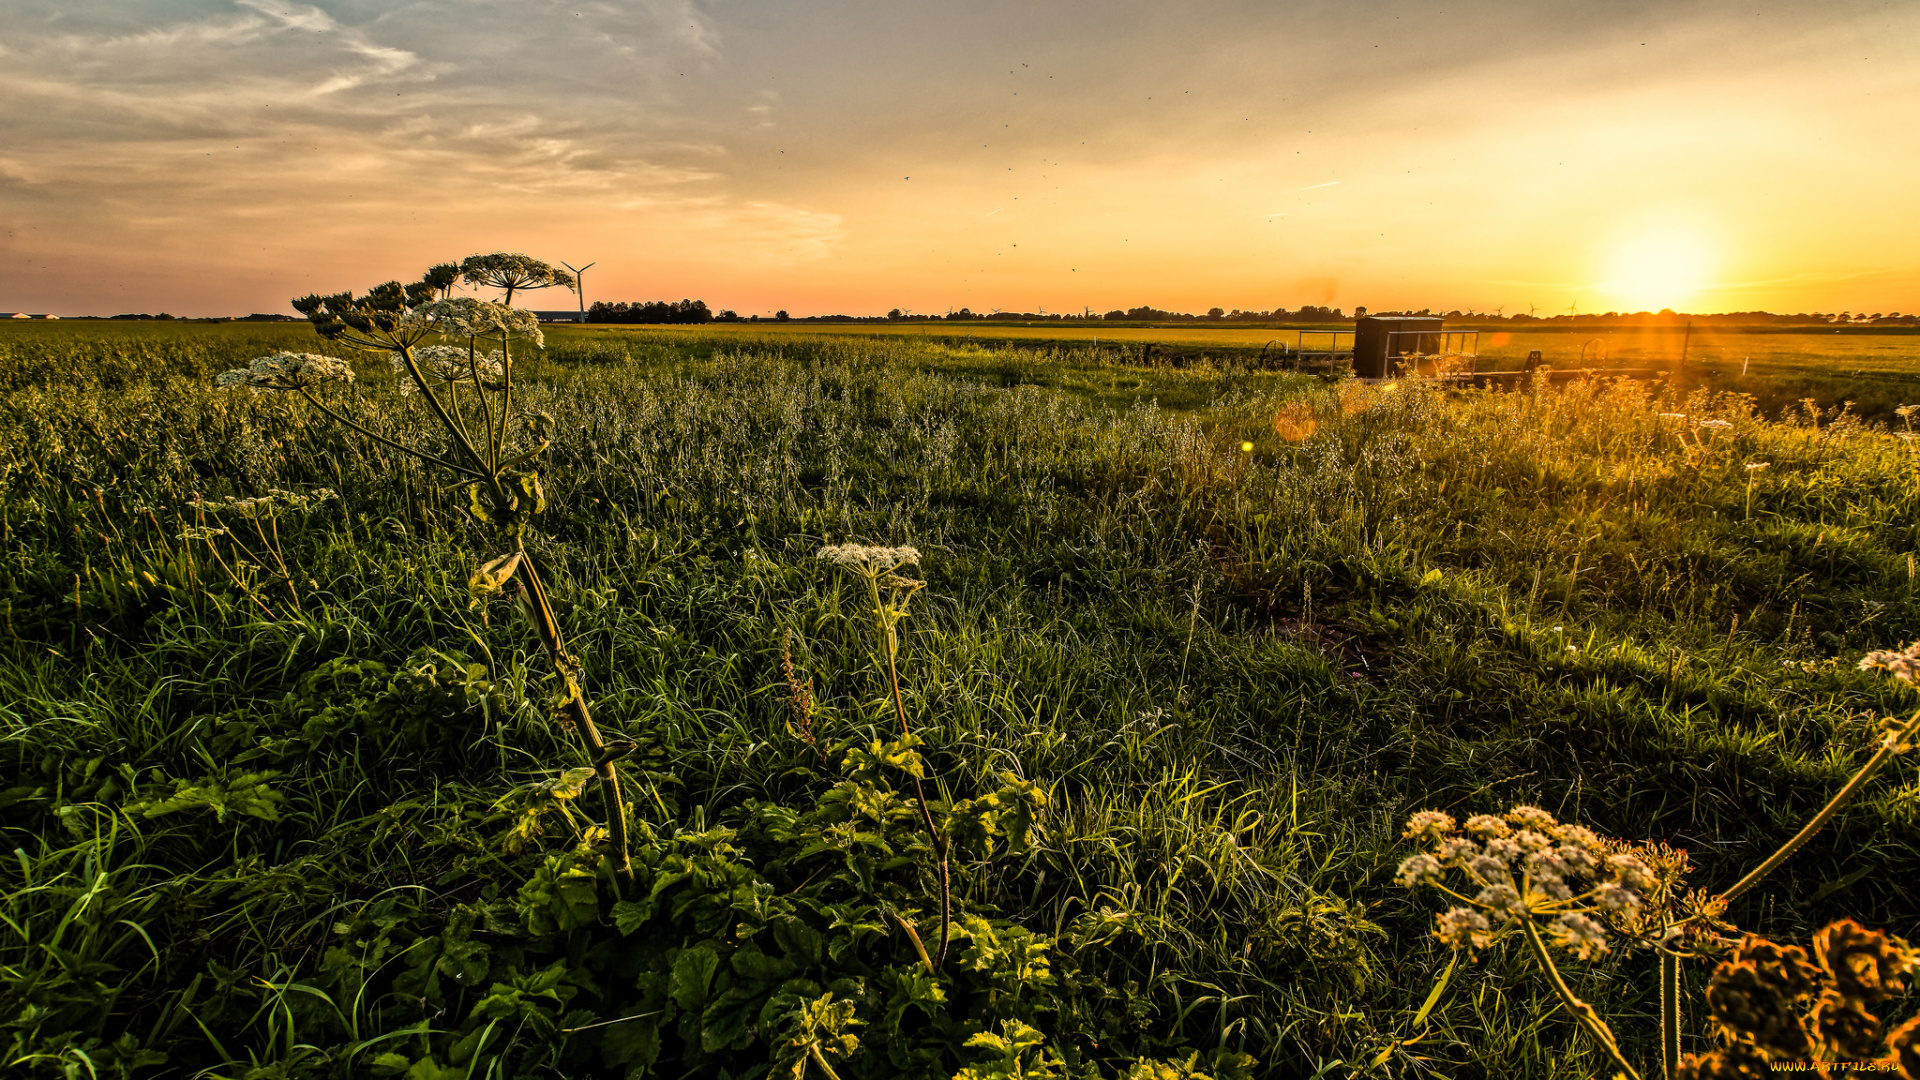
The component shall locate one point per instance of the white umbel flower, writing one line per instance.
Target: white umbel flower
(464, 316)
(448, 363)
(1903, 665)
(874, 560)
(287, 371)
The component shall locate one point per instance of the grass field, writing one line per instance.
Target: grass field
(321, 823)
(1877, 371)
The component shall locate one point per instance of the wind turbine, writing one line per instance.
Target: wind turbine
(579, 290)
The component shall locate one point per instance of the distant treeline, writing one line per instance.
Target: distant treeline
(654, 311)
(1144, 313)
(1313, 313)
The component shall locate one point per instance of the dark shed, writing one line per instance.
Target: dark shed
(1380, 339)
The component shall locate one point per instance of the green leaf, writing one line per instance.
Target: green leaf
(493, 576)
(751, 963)
(632, 1041)
(428, 1069)
(1433, 995)
(631, 915)
(692, 973)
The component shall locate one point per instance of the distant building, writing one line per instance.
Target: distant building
(24, 315)
(569, 315)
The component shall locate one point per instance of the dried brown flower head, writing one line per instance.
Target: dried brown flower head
(1750, 1008)
(1865, 965)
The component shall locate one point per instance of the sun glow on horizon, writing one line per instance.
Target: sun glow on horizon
(1658, 268)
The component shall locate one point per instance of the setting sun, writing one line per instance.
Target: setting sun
(1657, 269)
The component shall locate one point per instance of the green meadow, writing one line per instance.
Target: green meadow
(293, 800)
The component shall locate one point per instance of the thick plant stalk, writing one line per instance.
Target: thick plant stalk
(1889, 746)
(548, 628)
(1669, 1015)
(926, 818)
(1583, 1012)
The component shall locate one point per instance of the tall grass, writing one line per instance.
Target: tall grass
(1230, 672)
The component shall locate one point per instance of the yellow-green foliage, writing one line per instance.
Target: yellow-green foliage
(1169, 700)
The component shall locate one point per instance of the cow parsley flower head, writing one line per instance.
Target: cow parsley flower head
(287, 371)
(1613, 896)
(1428, 825)
(1487, 868)
(449, 363)
(1579, 935)
(1631, 872)
(1532, 817)
(1418, 870)
(1487, 825)
(1528, 868)
(869, 560)
(1903, 665)
(1463, 928)
(1714, 425)
(464, 316)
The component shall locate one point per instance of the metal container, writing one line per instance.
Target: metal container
(1380, 340)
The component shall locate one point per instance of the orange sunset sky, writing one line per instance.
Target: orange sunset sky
(221, 156)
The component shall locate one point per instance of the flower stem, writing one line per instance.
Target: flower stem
(1582, 1011)
(813, 1049)
(548, 627)
(461, 470)
(1669, 1015)
(926, 816)
(1888, 748)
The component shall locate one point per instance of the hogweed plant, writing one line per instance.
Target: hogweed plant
(1564, 889)
(888, 593)
(455, 354)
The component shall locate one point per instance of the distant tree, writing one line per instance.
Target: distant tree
(503, 270)
(727, 315)
(1360, 312)
(1116, 315)
(1215, 313)
(781, 315)
(894, 314)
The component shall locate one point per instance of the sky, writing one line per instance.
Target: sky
(213, 157)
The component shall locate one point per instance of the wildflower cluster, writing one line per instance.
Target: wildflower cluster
(869, 560)
(287, 371)
(463, 316)
(1772, 1004)
(1524, 866)
(263, 506)
(1903, 665)
(448, 363)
